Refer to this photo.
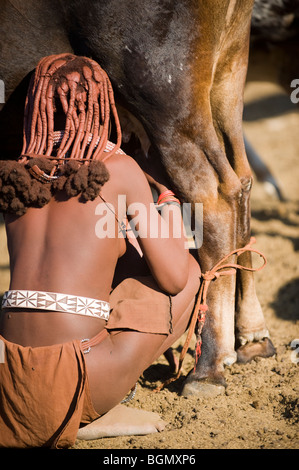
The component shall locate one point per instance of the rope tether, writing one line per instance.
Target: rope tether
(201, 307)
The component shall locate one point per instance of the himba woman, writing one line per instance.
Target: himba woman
(73, 344)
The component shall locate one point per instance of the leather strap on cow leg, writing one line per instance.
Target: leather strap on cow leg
(201, 308)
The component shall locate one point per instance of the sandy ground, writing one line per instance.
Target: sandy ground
(259, 409)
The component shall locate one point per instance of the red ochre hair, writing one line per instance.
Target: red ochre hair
(71, 159)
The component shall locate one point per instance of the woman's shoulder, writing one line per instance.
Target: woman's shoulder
(120, 159)
(123, 166)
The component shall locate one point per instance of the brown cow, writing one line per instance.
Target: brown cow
(179, 67)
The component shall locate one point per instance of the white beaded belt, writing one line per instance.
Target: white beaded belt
(56, 302)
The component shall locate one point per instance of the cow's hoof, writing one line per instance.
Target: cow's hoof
(249, 351)
(252, 336)
(202, 388)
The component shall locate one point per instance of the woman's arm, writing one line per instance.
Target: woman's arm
(160, 233)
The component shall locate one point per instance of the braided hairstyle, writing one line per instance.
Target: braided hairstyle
(77, 90)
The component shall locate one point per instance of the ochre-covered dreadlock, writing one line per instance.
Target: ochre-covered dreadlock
(53, 159)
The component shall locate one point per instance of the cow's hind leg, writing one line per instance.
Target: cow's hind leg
(218, 343)
(207, 379)
(252, 335)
